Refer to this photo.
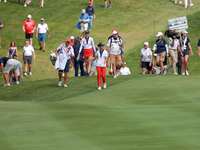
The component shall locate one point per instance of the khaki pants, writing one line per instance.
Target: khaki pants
(174, 56)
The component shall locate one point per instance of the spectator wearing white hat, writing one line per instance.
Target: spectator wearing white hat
(186, 3)
(42, 28)
(146, 59)
(162, 49)
(84, 19)
(114, 50)
(106, 5)
(29, 27)
(124, 70)
(186, 51)
(72, 58)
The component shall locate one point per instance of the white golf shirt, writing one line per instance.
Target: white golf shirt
(101, 58)
(28, 50)
(176, 43)
(146, 53)
(65, 51)
(42, 28)
(125, 71)
(87, 44)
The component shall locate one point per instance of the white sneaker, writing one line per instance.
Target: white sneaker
(180, 2)
(99, 88)
(5, 0)
(185, 6)
(25, 5)
(65, 85)
(17, 82)
(25, 74)
(175, 2)
(7, 84)
(191, 5)
(175, 73)
(60, 83)
(187, 73)
(30, 73)
(104, 85)
(183, 73)
(27, 2)
(115, 76)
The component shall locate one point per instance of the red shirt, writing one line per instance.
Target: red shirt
(29, 25)
(72, 44)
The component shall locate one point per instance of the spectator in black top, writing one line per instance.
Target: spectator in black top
(90, 12)
(78, 61)
(199, 48)
(9, 65)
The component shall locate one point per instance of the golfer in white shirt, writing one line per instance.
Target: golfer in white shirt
(146, 58)
(42, 28)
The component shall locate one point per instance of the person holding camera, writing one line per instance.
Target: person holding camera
(186, 51)
(162, 49)
(146, 58)
(173, 46)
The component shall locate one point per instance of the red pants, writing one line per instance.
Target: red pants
(101, 71)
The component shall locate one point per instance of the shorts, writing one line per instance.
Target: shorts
(11, 65)
(0, 32)
(28, 60)
(88, 52)
(28, 36)
(185, 52)
(41, 37)
(116, 59)
(93, 66)
(146, 65)
(84, 27)
(66, 66)
(13, 79)
(161, 56)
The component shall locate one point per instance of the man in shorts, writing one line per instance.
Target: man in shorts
(29, 27)
(9, 65)
(42, 28)
(114, 50)
(1, 25)
(28, 51)
(84, 19)
(19, 72)
(62, 62)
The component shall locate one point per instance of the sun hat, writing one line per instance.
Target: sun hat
(72, 37)
(42, 19)
(159, 34)
(29, 16)
(184, 31)
(146, 43)
(83, 10)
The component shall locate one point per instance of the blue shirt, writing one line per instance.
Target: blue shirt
(198, 43)
(90, 10)
(161, 45)
(4, 60)
(76, 48)
(84, 17)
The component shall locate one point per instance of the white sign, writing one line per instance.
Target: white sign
(178, 23)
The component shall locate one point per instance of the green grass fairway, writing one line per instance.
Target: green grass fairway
(138, 113)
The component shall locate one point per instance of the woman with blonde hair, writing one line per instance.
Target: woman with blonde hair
(12, 50)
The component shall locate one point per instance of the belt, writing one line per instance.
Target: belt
(42, 33)
(28, 56)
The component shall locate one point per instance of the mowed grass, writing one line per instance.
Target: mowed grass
(137, 113)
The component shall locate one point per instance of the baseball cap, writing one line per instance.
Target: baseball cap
(83, 10)
(72, 37)
(89, 2)
(68, 40)
(159, 34)
(87, 32)
(42, 18)
(100, 44)
(146, 43)
(184, 31)
(29, 16)
(114, 31)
